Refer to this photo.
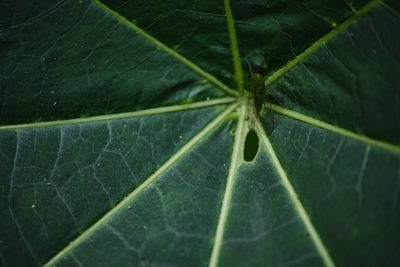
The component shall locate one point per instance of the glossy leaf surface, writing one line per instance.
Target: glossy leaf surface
(124, 123)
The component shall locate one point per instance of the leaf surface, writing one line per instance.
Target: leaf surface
(123, 128)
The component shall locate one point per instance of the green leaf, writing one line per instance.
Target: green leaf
(123, 127)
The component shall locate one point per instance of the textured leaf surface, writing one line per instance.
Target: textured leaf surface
(361, 92)
(76, 60)
(123, 126)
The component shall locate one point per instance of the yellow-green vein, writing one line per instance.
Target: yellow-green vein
(103, 220)
(335, 129)
(294, 198)
(140, 113)
(166, 49)
(240, 131)
(291, 64)
(235, 48)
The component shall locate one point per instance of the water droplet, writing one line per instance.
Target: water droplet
(48, 183)
(180, 137)
(33, 206)
(52, 92)
(43, 58)
(55, 103)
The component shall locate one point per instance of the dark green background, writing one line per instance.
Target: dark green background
(71, 59)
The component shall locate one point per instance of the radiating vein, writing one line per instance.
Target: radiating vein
(166, 49)
(81, 238)
(335, 129)
(228, 189)
(235, 48)
(43, 13)
(141, 113)
(296, 202)
(361, 175)
(10, 194)
(291, 64)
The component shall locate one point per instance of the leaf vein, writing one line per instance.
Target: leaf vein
(335, 129)
(166, 49)
(103, 220)
(295, 199)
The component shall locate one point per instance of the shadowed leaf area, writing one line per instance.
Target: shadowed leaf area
(200, 133)
(250, 146)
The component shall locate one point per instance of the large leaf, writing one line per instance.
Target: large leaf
(123, 126)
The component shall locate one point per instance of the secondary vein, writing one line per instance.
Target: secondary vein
(103, 220)
(335, 129)
(140, 113)
(296, 202)
(291, 64)
(228, 189)
(166, 49)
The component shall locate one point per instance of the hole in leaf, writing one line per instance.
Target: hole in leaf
(250, 146)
